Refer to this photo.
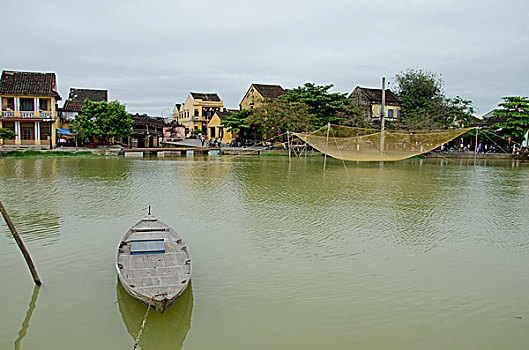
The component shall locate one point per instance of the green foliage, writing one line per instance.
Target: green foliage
(236, 120)
(7, 134)
(420, 91)
(279, 115)
(424, 104)
(33, 154)
(103, 120)
(514, 113)
(323, 105)
(352, 115)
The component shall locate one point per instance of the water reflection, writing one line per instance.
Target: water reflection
(25, 324)
(162, 331)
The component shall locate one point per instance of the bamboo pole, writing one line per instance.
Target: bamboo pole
(21, 245)
(383, 115)
(327, 147)
(289, 143)
(476, 147)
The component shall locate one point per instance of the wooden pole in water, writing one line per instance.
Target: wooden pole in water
(476, 147)
(383, 115)
(326, 147)
(20, 245)
(289, 143)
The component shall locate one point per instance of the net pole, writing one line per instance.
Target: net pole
(383, 115)
(289, 145)
(326, 147)
(476, 147)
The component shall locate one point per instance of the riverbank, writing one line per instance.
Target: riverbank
(27, 152)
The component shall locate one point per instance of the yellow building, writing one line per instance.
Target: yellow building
(371, 99)
(216, 129)
(197, 111)
(257, 94)
(29, 107)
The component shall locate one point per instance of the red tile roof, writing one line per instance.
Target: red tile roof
(75, 101)
(375, 95)
(210, 97)
(29, 83)
(270, 91)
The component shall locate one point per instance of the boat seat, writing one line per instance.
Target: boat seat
(147, 246)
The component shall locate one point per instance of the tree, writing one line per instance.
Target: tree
(279, 115)
(419, 90)
(513, 116)
(323, 105)
(103, 120)
(459, 111)
(424, 104)
(352, 115)
(235, 122)
(7, 134)
(421, 95)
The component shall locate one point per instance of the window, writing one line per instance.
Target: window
(398, 113)
(196, 112)
(8, 104)
(27, 104)
(44, 104)
(45, 131)
(9, 125)
(212, 132)
(390, 113)
(27, 131)
(221, 132)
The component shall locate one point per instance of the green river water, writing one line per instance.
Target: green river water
(419, 254)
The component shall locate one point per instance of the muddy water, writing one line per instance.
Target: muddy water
(407, 255)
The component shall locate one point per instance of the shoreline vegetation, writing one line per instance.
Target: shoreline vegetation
(35, 154)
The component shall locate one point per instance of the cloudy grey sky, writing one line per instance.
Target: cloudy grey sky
(150, 54)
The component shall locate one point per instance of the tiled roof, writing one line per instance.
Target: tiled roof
(29, 83)
(375, 95)
(225, 113)
(75, 101)
(144, 119)
(210, 97)
(270, 91)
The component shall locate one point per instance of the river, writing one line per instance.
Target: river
(418, 254)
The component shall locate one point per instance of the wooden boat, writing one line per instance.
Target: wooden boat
(153, 263)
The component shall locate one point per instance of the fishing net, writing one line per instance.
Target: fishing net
(358, 144)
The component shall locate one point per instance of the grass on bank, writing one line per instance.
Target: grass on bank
(32, 154)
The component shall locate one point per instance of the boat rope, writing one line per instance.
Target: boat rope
(142, 326)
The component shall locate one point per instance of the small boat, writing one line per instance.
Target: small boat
(153, 263)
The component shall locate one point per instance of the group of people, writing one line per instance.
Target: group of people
(215, 142)
(486, 148)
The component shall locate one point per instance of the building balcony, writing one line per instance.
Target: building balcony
(28, 115)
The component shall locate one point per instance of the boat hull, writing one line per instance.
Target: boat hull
(153, 264)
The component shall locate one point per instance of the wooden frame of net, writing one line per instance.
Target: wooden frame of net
(359, 144)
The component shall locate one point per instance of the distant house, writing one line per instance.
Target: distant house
(147, 131)
(29, 107)
(75, 102)
(73, 106)
(217, 130)
(257, 94)
(197, 111)
(371, 100)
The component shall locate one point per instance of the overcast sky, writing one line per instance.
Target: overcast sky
(151, 54)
